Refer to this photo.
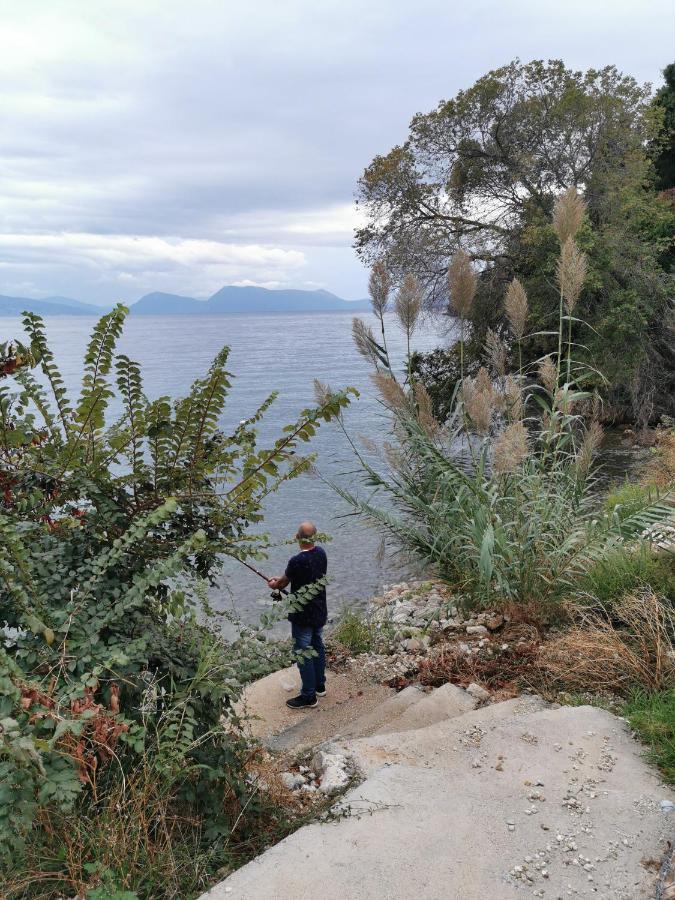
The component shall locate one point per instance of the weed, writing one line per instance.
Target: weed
(628, 499)
(626, 569)
(355, 632)
(653, 718)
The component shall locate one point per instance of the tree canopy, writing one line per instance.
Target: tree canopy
(665, 157)
(481, 173)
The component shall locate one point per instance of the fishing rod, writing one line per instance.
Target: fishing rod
(275, 594)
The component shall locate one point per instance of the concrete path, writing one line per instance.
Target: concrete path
(511, 800)
(281, 728)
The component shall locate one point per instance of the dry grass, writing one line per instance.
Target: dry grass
(501, 669)
(661, 469)
(516, 308)
(571, 273)
(631, 648)
(511, 449)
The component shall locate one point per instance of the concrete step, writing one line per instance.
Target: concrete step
(505, 801)
(446, 702)
(374, 719)
(421, 745)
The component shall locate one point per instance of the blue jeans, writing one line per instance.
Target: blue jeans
(312, 668)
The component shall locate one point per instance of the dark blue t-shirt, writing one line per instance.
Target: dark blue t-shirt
(305, 568)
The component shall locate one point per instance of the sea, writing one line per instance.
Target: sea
(281, 352)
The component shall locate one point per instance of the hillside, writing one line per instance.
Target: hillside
(231, 299)
(48, 306)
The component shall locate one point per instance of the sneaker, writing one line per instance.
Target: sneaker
(321, 691)
(301, 702)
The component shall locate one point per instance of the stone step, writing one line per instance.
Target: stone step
(446, 702)
(374, 719)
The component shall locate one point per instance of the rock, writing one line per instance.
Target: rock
(333, 770)
(413, 645)
(402, 612)
(292, 780)
(288, 685)
(476, 629)
(667, 806)
(494, 622)
(478, 692)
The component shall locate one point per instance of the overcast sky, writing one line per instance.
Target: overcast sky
(180, 146)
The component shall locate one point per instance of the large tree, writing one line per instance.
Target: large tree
(665, 157)
(482, 171)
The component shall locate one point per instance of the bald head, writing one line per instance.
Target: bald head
(306, 534)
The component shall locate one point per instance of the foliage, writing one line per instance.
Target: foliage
(501, 498)
(482, 171)
(665, 147)
(110, 673)
(354, 632)
(653, 717)
(624, 500)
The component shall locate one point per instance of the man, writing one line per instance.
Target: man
(306, 567)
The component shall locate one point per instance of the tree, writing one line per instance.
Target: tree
(482, 172)
(664, 159)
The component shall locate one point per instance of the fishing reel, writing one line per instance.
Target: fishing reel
(276, 596)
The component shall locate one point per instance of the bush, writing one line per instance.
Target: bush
(355, 632)
(653, 717)
(113, 682)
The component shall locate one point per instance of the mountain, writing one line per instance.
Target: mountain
(160, 304)
(48, 306)
(231, 299)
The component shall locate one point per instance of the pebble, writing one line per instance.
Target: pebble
(476, 629)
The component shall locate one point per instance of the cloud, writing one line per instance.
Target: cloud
(131, 259)
(145, 142)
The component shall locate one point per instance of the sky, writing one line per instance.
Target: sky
(180, 146)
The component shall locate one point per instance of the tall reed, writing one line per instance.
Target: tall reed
(519, 520)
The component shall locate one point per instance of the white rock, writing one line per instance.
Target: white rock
(292, 780)
(478, 692)
(413, 645)
(476, 629)
(667, 806)
(333, 769)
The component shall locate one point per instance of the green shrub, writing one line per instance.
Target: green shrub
(355, 632)
(109, 663)
(653, 717)
(626, 569)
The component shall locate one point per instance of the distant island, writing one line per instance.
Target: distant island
(229, 299)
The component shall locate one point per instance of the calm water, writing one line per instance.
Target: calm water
(283, 352)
